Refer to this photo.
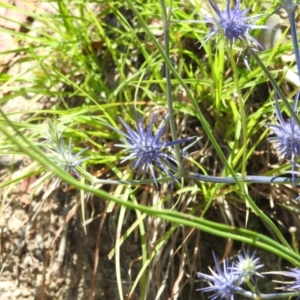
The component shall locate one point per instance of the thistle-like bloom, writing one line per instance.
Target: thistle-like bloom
(58, 153)
(246, 266)
(232, 23)
(287, 137)
(146, 148)
(225, 283)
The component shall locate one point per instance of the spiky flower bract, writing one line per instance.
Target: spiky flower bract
(146, 148)
(294, 286)
(225, 283)
(58, 153)
(246, 266)
(287, 137)
(290, 285)
(232, 23)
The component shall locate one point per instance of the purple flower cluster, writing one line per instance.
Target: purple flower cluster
(225, 282)
(238, 278)
(146, 148)
(287, 137)
(232, 23)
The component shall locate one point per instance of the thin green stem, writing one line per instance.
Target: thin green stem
(191, 176)
(259, 296)
(166, 15)
(276, 87)
(242, 116)
(290, 9)
(286, 295)
(219, 74)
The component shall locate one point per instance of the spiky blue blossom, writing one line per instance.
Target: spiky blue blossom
(232, 23)
(148, 149)
(247, 266)
(287, 136)
(224, 283)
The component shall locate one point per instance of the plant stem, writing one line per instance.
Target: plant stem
(290, 9)
(166, 14)
(275, 86)
(242, 116)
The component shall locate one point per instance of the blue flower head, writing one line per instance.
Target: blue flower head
(287, 137)
(146, 148)
(246, 266)
(224, 283)
(232, 23)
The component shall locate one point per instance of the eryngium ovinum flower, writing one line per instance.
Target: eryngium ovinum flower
(232, 23)
(146, 148)
(246, 266)
(224, 283)
(58, 153)
(287, 137)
